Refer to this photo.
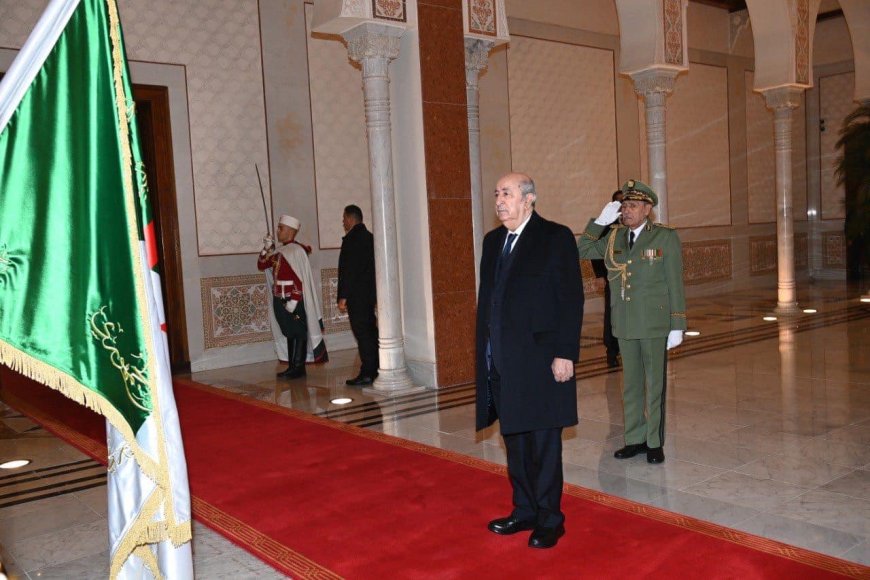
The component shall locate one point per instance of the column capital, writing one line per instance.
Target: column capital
(785, 97)
(372, 40)
(477, 54)
(655, 80)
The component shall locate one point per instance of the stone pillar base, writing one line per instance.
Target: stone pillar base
(392, 381)
(787, 309)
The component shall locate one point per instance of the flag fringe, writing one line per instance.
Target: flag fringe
(142, 530)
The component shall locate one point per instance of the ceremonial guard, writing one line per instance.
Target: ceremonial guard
(648, 308)
(294, 297)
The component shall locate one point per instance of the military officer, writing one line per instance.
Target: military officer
(648, 308)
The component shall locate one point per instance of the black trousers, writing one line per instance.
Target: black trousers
(534, 462)
(610, 342)
(292, 325)
(365, 331)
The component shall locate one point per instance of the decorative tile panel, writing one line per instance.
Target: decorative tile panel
(235, 310)
(587, 274)
(341, 155)
(802, 43)
(706, 261)
(801, 251)
(761, 158)
(762, 255)
(333, 320)
(564, 136)
(389, 10)
(834, 250)
(673, 22)
(835, 103)
(482, 16)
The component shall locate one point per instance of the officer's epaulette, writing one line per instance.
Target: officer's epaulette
(658, 225)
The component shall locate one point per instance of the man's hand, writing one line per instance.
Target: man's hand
(268, 243)
(290, 305)
(675, 338)
(342, 305)
(563, 369)
(609, 214)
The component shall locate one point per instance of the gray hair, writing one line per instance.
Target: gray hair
(527, 186)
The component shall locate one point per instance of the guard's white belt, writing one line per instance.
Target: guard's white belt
(284, 283)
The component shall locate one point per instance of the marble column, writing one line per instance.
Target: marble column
(476, 57)
(654, 85)
(783, 100)
(373, 46)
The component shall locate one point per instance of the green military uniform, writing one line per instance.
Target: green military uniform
(647, 301)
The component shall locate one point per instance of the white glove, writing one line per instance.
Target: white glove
(675, 338)
(291, 305)
(268, 243)
(609, 214)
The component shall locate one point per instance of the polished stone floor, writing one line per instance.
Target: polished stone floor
(768, 431)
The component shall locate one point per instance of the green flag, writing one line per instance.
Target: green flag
(80, 306)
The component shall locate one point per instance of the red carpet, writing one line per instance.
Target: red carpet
(318, 499)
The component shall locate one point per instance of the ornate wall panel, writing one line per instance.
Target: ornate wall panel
(563, 125)
(835, 102)
(834, 250)
(588, 276)
(218, 41)
(761, 158)
(762, 255)
(672, 11)
(802, 43)
(801, 251)
(706, 261)
(482, 16)
(235, 310)
(333, 320)
(389, 10)
(341, 155)
(699, 172)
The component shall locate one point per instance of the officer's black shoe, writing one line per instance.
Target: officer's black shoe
(655, 455)
(630, 450)
(285, 373)
(359, 380)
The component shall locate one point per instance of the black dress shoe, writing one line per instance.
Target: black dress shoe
(655, 455)
(630, 450)
(546, 537)
(359, 380)
(509, 525)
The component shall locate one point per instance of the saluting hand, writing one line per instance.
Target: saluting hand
(563, 369)
(609, 214)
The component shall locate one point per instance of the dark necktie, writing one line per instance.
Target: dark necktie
(505, 252)
(630, 240)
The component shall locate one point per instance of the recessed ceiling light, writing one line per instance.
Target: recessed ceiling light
(14, 464)
(769, 318)
(810, 310)
(865, 299)
(693, 333)
(341, 401)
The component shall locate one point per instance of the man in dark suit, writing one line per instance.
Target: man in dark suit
(611, 343)
(357, 292)
(529, 311)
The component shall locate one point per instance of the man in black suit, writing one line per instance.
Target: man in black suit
(611, 344)
(357, 292)
(529, 311)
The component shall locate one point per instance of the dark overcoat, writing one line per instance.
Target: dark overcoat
(535, 317)
(356, 267)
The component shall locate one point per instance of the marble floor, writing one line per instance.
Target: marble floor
(768, 427)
